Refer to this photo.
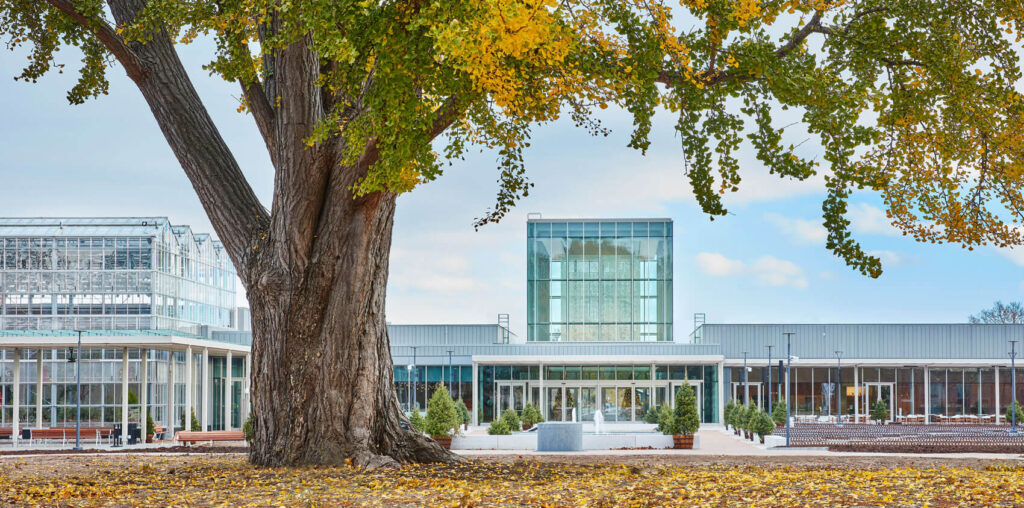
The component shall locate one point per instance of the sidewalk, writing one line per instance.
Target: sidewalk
(717, 442)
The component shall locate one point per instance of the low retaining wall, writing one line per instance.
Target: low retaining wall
(773, 441)
(528, 441)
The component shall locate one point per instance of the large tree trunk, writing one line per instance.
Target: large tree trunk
(323, 386)
(315, 268)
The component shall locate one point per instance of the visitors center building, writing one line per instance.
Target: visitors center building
(155, 305)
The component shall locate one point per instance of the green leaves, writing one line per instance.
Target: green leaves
(917, 101)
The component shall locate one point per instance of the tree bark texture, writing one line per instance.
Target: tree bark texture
(315, 267)
(323, 386)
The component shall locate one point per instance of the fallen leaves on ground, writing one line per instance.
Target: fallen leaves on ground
(231, 481)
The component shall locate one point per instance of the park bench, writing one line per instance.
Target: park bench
(189, 437)
(99, 433)
(5, 432)
(54, 433)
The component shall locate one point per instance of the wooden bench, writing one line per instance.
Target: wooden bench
(5, 432)
(61, 433)
(189, 436)
(96, 433)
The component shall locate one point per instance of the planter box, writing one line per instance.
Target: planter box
(444, 441)
(682, 442)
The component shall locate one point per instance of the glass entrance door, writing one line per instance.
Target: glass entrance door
(698, 393)
(875, 392)
(749, 396)
(569, 408)
(555, 404)
(563, 400)
(511, 395)
(587, 403)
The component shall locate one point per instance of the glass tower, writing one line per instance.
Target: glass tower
(599, 280)
(139, 273)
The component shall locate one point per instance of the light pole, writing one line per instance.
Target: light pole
(839, 387)
(1013, 387)
(789, 363)
(769, 378)
(450, 372)
(746, 391)
(78, 393)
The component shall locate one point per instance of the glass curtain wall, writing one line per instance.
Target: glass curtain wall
(623, 393)
(140, 275)
(423, 381)
(952, 391)
(101, 387)
(599, 280)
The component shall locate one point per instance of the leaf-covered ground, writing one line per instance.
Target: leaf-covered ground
(227, 480)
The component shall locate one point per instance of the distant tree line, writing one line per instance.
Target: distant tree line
(1000, 314)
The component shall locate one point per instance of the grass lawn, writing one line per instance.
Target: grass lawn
(227, 480)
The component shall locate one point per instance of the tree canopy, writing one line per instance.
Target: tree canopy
(1000, 314)
(917, 100)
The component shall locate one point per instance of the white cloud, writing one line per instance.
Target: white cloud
(760, 185)
(892, 258)
(779, 272)
(713, 263)
(432, 270)
(804, 231)
(767, 270)
(1015, 254)
(870, 220)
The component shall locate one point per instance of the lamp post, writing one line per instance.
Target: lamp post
(789, 364)
(78, 393)
(1013, 387)
(769, 378)
(839, 387)
(450, 372)
(746, 391)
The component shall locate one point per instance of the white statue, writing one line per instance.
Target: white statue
(598, 420)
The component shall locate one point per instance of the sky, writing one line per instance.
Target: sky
(763, 263)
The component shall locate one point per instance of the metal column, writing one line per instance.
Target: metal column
(205, 380)
(476, 398)
(144, 394)
(39, 388)
(16, 399)
(246, 382)
(996, 368)
(170, 392)
(124, 396)
(227, 391)
(190, 404)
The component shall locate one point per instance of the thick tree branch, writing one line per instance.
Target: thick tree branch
(106, 35)
(713, 77)
(235, 212)
(800, 36)
(258, 103)
(445, 115)
(262, 112)
(302, 170)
